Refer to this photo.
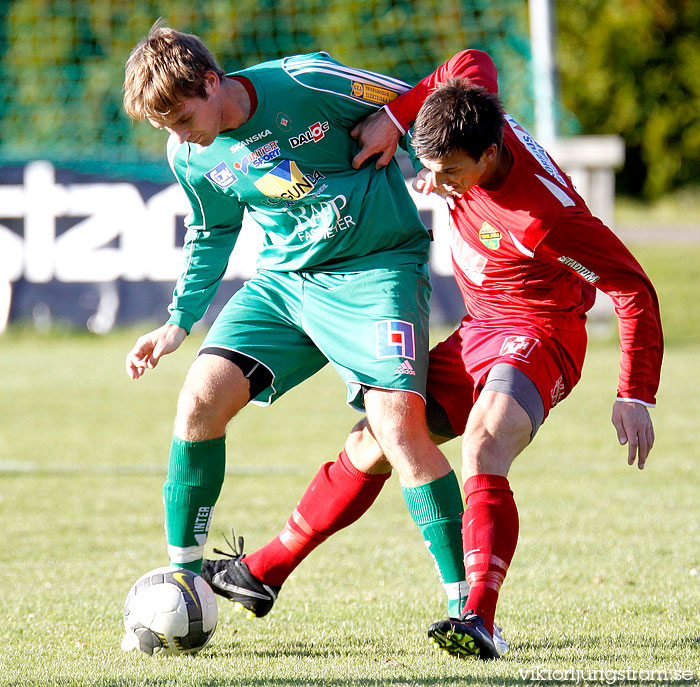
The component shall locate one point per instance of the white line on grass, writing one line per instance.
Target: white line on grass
(9, 466)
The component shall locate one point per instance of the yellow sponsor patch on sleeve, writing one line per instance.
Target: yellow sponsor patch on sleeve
(372, 93)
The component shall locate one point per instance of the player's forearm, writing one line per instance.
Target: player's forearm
(206, 261)
(193, 294)
(585, 246)
(182, 318)
(471, 64)
(639, 322)
(641, 347)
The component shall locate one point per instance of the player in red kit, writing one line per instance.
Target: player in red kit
(528, 256)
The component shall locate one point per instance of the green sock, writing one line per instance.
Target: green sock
(437, 507)
(195, 476)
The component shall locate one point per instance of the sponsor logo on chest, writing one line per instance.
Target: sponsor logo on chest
(251, 139)
(469, 261)
(287, 181)
(221, 175)
(312, 135)
(323, 219)
(259, 157)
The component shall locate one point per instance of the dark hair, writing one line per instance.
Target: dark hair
(459, 115)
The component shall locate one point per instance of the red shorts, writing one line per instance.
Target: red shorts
(551, 358)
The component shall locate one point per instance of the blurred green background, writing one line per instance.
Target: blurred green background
(627, 67)
(63, 61)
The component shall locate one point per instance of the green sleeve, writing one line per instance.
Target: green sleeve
(349, 95)
(352, 94)
(405, 143)
(212, 230)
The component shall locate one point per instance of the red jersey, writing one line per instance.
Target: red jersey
(532, 251)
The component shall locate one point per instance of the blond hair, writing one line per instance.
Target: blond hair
(164, 68)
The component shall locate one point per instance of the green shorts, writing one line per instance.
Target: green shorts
(372, 326)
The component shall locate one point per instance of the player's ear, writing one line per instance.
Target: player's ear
(489, 155)
(211, 82)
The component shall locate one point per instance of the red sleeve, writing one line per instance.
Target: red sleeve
(585, 246)
(474, 65)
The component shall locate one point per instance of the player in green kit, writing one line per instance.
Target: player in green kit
(341, 278)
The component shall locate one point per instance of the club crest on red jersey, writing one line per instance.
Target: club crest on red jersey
(490, 236)
(395, 339)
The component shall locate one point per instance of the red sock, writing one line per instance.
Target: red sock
(490, 533)
(337, 496)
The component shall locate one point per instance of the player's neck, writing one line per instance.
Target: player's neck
(235, 104)
(498, 171)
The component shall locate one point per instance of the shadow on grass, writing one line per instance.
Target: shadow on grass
(461, 681)
(455, 681)
(530, 663)
(524, 677)
(590, 648)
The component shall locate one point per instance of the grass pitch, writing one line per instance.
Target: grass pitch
(606, 579)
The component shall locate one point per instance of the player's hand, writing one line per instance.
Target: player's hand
(425, 183)
(376, 134)
(634, 428)
(150, 347)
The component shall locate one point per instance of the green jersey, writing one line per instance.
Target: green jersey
(290, 167)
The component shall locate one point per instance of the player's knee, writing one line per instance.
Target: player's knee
(485, 451)
(198, 416)
(398, 421)
(358, 437)
(202, 413)
(364, 452)
(214, 391)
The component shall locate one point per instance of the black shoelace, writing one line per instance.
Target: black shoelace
(235, 553)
